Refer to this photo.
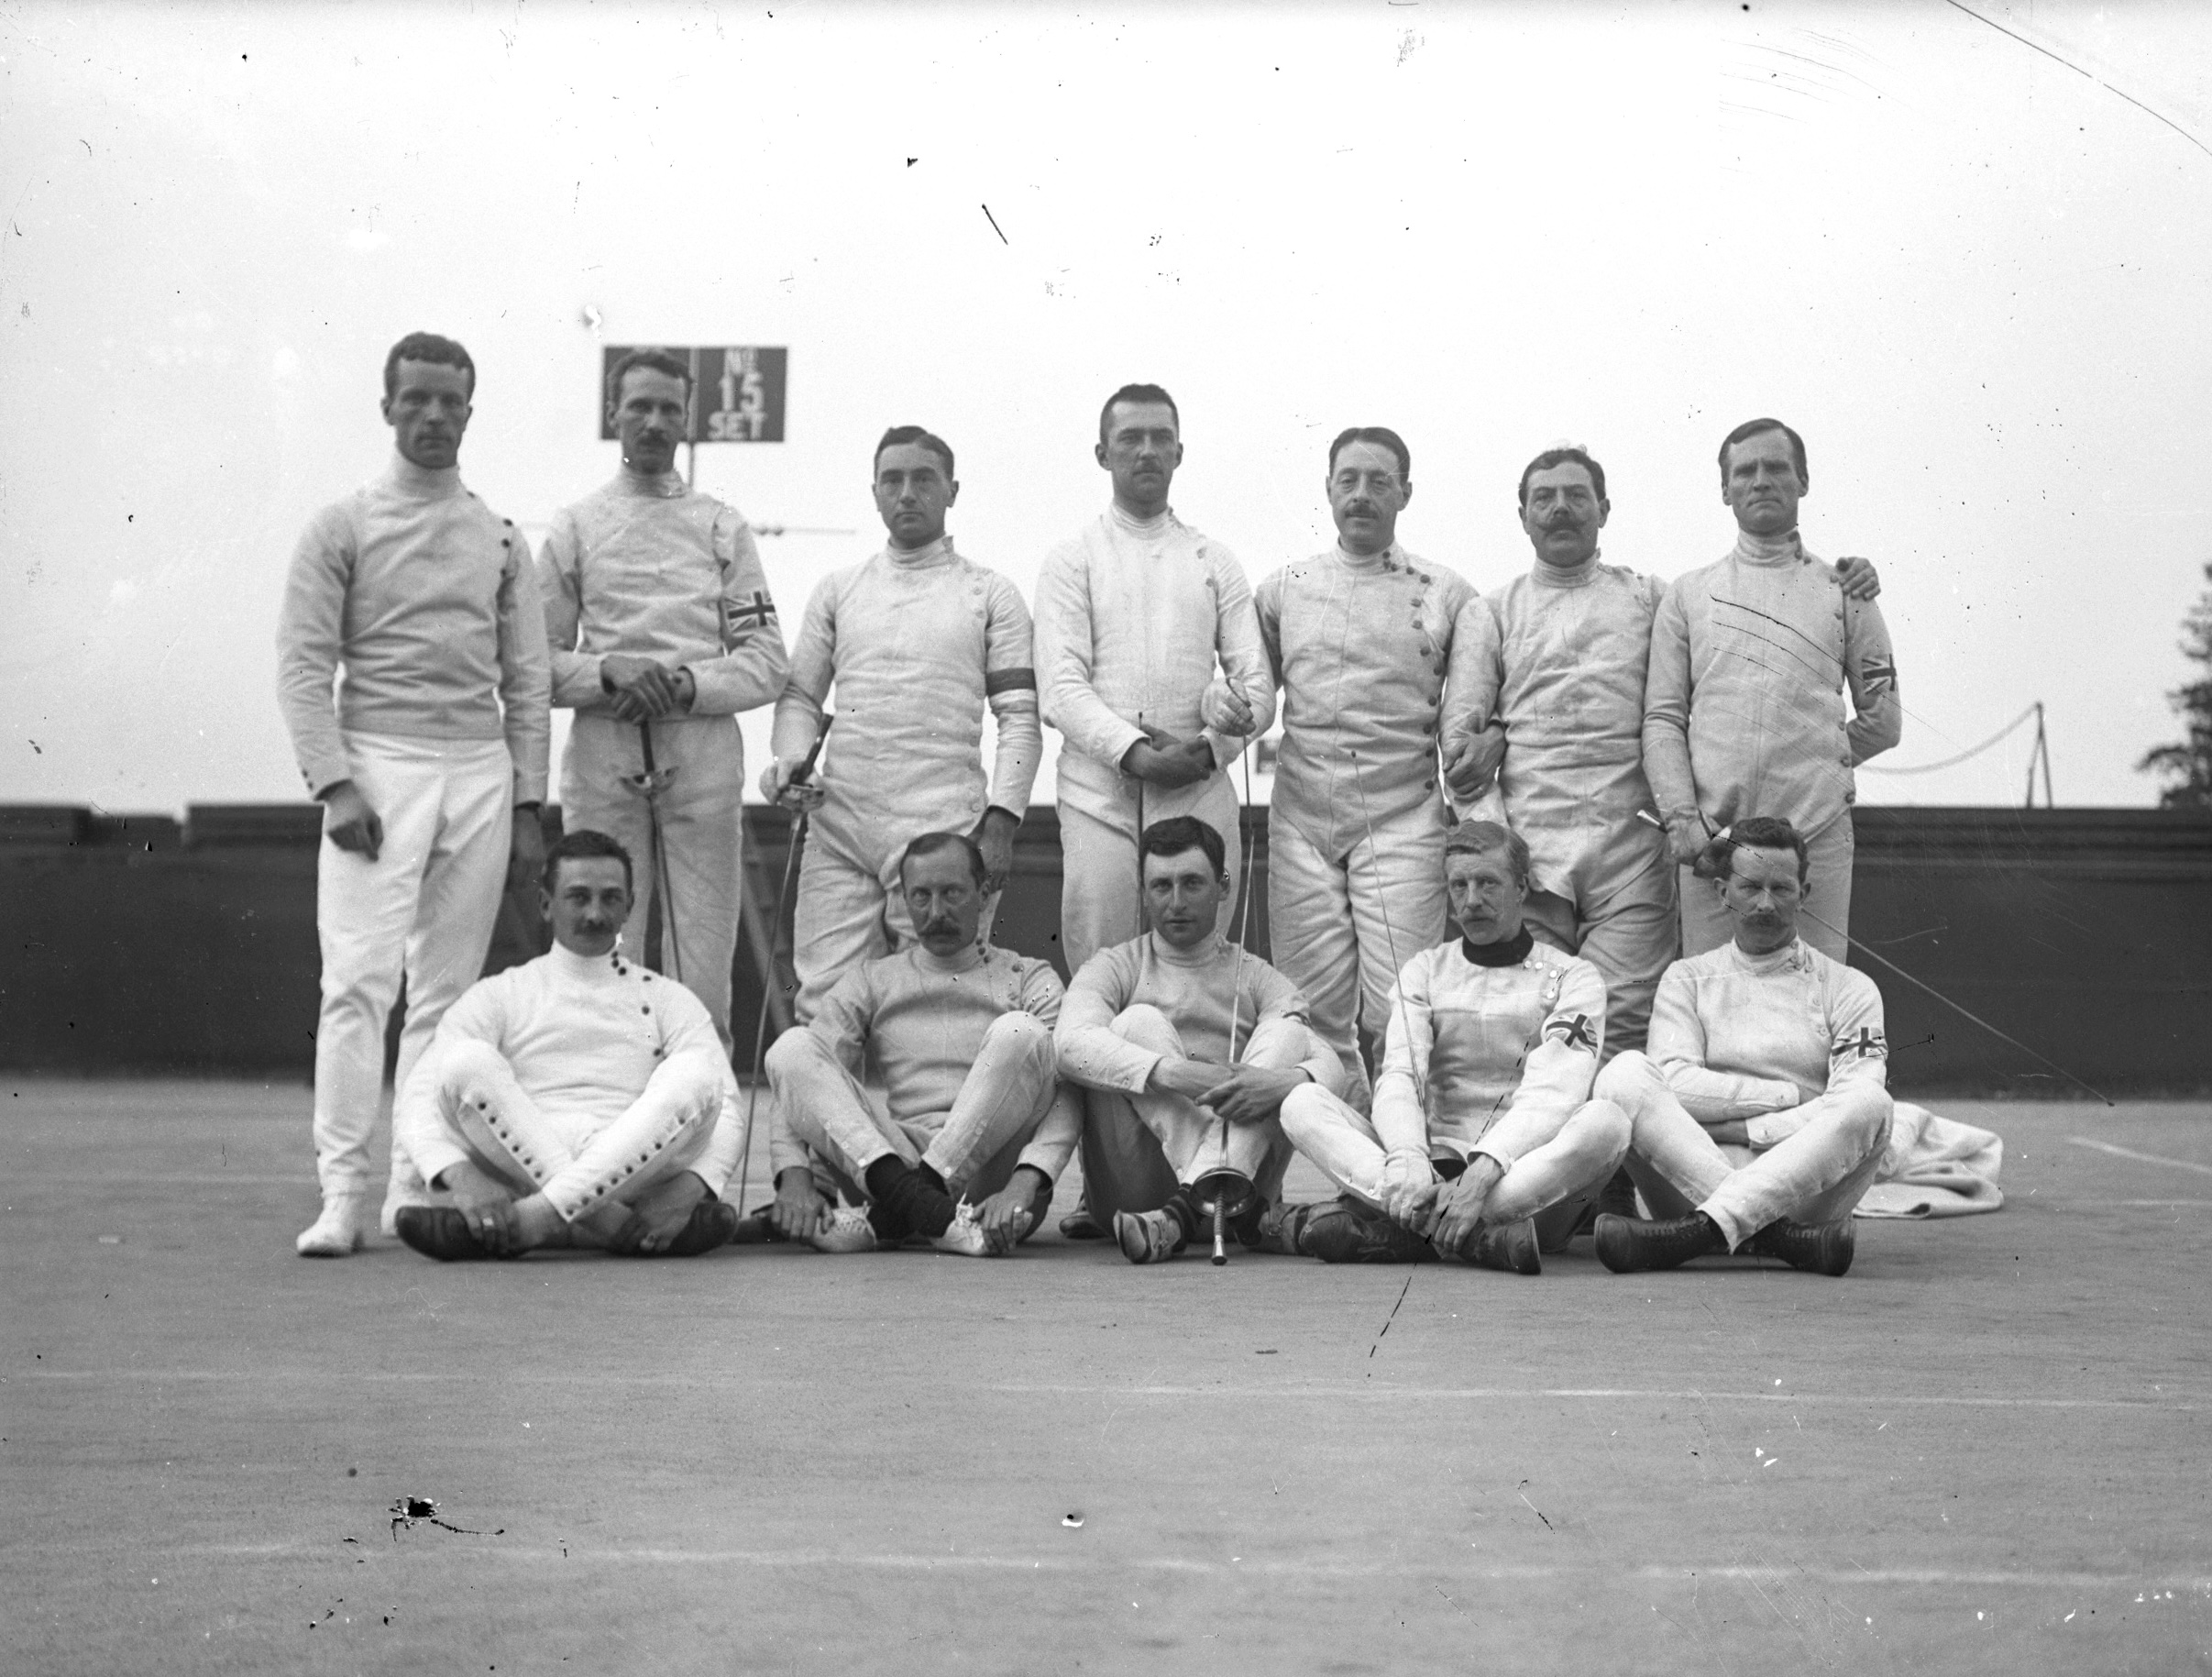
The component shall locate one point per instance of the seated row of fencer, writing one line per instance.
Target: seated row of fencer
(557, 1107)
(421, 643)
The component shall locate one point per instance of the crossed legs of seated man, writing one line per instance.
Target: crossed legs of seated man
(1516, 1192)
(521, 1178)
(913, 1173)
(1192, 1120)
(1711, 1191)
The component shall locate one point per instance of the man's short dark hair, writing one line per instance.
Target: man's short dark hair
(1488, 838)
(655, 360)
(936, 445)
(1178, 833)
(427, 347)
(583, 841)
(1753, 427)
(1136, 393)
(937, 843)
(1757, 833)
(1382, 436)
(1562, 457)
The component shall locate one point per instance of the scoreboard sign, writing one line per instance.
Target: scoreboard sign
(737, 390)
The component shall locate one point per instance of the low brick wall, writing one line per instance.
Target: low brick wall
(136, 945)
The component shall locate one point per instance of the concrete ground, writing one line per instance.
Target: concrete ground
(1985, 1450)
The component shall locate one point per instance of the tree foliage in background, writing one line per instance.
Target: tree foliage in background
(2186, 767)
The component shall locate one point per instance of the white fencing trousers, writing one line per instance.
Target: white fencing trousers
(1137, 1149)
(1814, 1176)
(1631, 940)
(425, 908)
(1100, 890)
(1828, 857)
(1553, 1182)
(848, 914)
(975, 1147)
(1341, 932)
(702, 833)
(577, 1166)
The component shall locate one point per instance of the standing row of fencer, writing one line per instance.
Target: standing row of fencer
(1561, 703)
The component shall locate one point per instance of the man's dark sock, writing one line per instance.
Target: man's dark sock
(1185, 1214)
(906, 1201)
(887, 1181)
(1247, 1226)
(928, 1173)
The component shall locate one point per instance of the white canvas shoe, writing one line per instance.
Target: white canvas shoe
(847, 1230)
(337, 1232)
(967, 1239)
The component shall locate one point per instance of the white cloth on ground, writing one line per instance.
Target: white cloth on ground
(1935, 1167)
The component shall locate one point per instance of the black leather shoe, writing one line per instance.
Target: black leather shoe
(1825, 1249)
(1512, 1248)
(714, 1223)
(1630, 1243)
(1344, 1231)
(440, 1232)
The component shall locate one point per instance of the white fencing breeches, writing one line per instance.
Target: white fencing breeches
(1341, 932)
(1553, 1182)
(973, 1148)
(1824, 919)
(425, 909)
(1814, 1175)
(1100, 894)
(578, 1167)
(702, 836)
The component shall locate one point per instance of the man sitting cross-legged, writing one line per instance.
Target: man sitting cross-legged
(1761, 1113)
(961, 1035)
(577, 1099)
(1485, 1144)
(1188, 1045)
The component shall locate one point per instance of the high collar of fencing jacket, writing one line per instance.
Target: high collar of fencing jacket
(421, 482)
(918, 558)
(661, 486)
(1784, 549)
(1567, 576)
(1143, 529)
(1510, 952)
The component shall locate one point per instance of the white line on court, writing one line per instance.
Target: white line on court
(2189, 1402)
(2186, 1403)
(2119, 1151)
(789, 1558)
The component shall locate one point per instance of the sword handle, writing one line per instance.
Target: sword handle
(805, 770)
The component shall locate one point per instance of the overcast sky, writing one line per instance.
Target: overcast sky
(1975, 276)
